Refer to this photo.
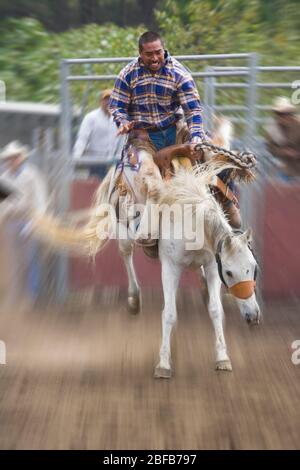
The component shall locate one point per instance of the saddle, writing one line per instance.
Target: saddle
(170, 159)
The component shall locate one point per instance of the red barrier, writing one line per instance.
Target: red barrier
(280, 256)
(281, 236)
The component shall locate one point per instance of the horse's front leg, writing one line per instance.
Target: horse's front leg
(170, 279)
(216, 314)
(148, 231)
(133, 299)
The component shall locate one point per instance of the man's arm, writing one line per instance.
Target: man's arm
(286, 153)
(190, 101)
(6, 189)
(119, 104)
(82, 137)
(16, 205)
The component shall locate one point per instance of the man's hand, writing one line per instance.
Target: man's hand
(196, 140)
(125, 127)
(195, 154)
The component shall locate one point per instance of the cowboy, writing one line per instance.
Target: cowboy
(149, 96)
(149, 92)
(27, 192)
(97, 137)
(283, 135)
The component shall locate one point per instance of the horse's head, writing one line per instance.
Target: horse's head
(237, 270)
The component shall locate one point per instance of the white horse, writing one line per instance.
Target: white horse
(236, 265)
(131, 191)
(225, 257)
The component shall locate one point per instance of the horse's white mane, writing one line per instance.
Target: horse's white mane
(191, 187)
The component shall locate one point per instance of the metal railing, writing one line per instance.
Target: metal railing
(260, 85)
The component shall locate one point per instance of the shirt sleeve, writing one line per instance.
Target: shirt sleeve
(83, 137)
(120, 100)
(14, 206)
(190, 101)
(31, 195)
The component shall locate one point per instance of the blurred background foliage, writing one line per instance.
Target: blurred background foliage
(35, 36)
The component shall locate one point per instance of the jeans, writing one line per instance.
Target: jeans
(25, 262)
(162, 139)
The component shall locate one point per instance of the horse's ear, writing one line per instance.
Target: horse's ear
(247, 235)
(227, 242)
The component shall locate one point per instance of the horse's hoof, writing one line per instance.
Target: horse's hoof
(133, 305)
(145, 241)
(162, 373)
(224, 365)
(151, 251)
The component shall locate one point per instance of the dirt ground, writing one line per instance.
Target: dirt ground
(81, 377)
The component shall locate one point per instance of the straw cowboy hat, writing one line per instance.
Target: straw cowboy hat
(14, 149)
(105, 93)
(283, 105)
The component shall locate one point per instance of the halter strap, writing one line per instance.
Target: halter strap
(242, 289)
(219, 262)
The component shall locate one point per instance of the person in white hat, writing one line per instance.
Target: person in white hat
(27, 191)
(283, 135)
(97, 138)
(31, 192)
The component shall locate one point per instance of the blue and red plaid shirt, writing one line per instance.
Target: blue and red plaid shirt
(152, 100)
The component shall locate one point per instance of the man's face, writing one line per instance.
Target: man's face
(104, 105)
(153, 55)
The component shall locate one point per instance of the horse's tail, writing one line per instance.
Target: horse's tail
(87, 239)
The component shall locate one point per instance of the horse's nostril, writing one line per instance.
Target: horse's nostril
(248, 318)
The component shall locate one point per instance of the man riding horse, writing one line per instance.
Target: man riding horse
(147, 96)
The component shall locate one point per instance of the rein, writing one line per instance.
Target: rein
(245, 160)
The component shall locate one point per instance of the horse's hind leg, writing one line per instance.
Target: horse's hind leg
(170, 279)
(133, 299)
(216, 314)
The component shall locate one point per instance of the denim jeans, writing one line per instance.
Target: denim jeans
(161, 139)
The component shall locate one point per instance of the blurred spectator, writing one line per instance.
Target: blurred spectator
(97, 138)
(28, 192)
(283, 135)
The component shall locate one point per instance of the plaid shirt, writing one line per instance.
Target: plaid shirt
(152, 100)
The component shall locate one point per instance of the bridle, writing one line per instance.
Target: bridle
(243, 289)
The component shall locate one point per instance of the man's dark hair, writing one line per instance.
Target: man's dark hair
(148, 36)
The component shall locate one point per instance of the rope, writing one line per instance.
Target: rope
(245, 160)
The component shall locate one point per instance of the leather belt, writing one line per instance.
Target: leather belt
(160, 129)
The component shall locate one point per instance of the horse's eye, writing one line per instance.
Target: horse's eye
(229, 273)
